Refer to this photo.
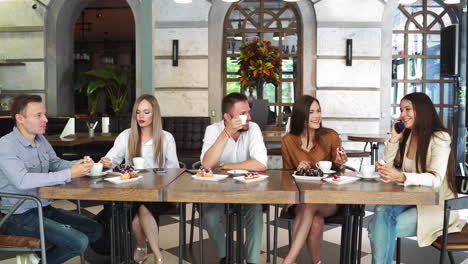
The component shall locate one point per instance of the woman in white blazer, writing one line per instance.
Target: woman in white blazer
(157, 147)
(419, 155)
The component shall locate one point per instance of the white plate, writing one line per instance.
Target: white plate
(117, 179)
(115, 173)
(237, 171)
(308, 178)
(216, 177)
(329, 172)
(373, 176)
(241, 178)
(96, 176)
(343, 180)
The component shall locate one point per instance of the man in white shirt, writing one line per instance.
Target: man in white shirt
(231, 145)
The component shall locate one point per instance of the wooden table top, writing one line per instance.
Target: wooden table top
(176, 185)
(365, 192)
(80, 139)
(148, 189)
(380, 138)
(278, 188)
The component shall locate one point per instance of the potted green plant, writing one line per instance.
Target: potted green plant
(112, 80)
(259, 63)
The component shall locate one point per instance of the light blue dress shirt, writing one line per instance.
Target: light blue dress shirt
(25, 167)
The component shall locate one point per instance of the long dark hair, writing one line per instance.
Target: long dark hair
(300, 119)
(426, 123)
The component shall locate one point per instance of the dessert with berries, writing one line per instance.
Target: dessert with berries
(128, 174)
(251, 176)
(380, 163)
(309, 172)
(204, 173)
(87, 159)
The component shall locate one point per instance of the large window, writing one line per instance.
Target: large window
(416, 55)
(276, 21)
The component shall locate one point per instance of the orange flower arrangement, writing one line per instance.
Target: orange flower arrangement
(259, 62)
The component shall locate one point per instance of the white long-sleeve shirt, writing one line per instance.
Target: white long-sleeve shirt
(119, 151)
(248, 146)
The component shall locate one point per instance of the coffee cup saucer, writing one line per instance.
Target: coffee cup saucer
(328, 171)
(96, 175)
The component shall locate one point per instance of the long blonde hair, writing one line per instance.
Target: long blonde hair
(134, 141)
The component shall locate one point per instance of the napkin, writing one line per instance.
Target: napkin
(105, 125)
(69, 129)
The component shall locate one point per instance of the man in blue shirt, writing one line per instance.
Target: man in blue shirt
(27, 162)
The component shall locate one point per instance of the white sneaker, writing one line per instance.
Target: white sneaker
(33, 258)
(30, 258)
(22, 259)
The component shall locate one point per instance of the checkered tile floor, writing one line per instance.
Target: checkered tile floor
(169, 239)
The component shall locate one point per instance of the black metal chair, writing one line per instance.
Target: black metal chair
(454, 241)
(18, 243)
(196, 206)
(334, 219)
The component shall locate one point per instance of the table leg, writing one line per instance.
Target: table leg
(228, 232)
(346, 236)
(181, 232)
(240, 234)
(200, 234)
(267, 211)
(275, 235)
(112, 234)
(126, 217)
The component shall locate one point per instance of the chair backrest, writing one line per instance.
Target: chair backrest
(259, 112)
(22, 244)
(196, 165)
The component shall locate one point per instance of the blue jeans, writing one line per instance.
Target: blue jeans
(388, 223)
(68, 232)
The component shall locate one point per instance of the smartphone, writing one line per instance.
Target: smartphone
(399, 126)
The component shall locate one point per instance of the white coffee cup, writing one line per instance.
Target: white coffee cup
(367, 170)
(243, 119)
(324, 165)
(139, 163)
(96, 169)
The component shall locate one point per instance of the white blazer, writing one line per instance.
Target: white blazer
(430, 217)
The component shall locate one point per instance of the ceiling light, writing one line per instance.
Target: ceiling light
(452, 2)
(406, 2)
(291, 0)
(183, 1)
(230, 1)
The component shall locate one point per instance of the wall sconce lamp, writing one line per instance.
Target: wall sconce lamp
(99, 14)
(175, 52)
(349, 52)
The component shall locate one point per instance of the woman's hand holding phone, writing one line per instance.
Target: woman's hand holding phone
(397, 131)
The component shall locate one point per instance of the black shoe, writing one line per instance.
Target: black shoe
(222, 261)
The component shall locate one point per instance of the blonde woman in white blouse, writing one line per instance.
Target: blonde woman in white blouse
(145, 139)
(418, 155)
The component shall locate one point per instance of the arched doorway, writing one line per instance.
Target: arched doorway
(59, 58)
(104, 42)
